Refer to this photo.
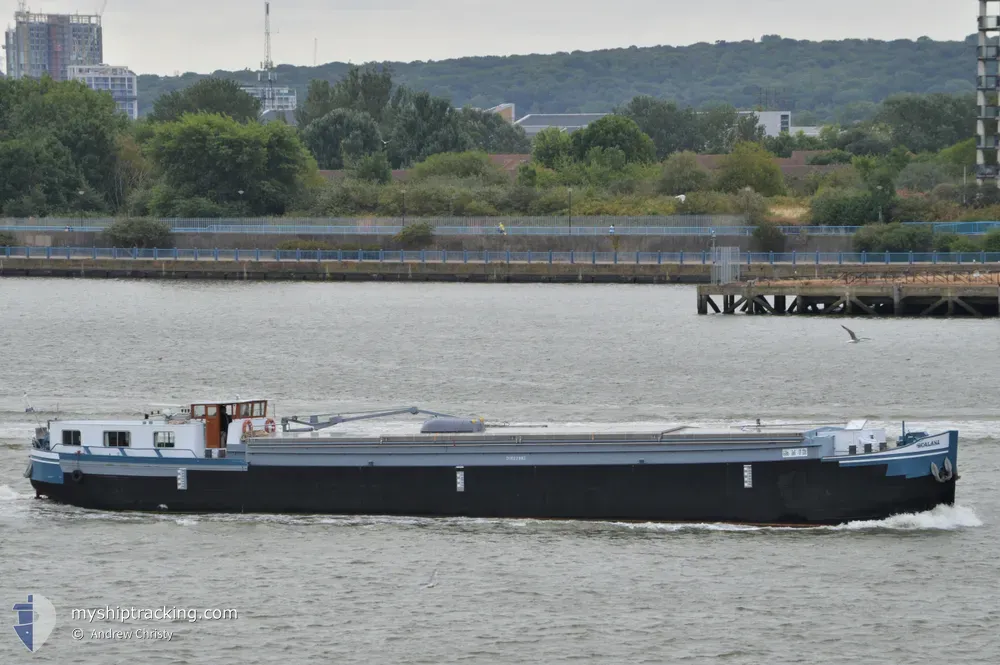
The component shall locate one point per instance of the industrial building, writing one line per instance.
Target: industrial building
(533, 123)
(40, 44)
(987, 86)
(273, 98)
(121, 82)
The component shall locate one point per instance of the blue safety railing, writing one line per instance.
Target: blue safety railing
(502, 256)
(458, 227)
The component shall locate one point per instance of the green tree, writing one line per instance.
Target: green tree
(928, 122)
(750, 165)
(474, 164)
(319, 101)
(553, 148)
(425, 126)
(991, 243)
(211, 95)
(211, 158)
(86, 123)
(718, 129)
(492, 134)
(372, 168)
(894, 237)
(614, 131)
(39, 176)
(342, 135)
(682, 174)
(768, 237)
(141, 233)
(672, 128)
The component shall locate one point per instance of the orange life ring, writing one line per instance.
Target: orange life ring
(270, 426)
(247, 427)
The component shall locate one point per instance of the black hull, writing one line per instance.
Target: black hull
(783, 493)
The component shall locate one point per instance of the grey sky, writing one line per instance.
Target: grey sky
(167, 36)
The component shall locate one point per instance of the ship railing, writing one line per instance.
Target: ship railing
(104, 451)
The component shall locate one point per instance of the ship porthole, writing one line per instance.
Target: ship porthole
(77, 475)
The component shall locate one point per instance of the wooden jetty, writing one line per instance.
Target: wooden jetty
(975, 294)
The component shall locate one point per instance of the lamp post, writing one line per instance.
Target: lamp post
(242, 209)
(80, 204)
(571, 211)
(879, 188)
(404, 207)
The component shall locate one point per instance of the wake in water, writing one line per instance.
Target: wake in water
(942, 518)
(8, 493)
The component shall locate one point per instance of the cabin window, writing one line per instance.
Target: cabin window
(213, 410)
(258, 409)
(164, 439)
(118, 439)
(199, 411)
(245, 410)
(71, 437)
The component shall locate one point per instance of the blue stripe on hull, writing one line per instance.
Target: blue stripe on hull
(46, 472)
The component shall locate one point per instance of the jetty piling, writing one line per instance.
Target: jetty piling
(901, 295)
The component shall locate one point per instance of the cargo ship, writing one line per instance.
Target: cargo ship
(233, 456)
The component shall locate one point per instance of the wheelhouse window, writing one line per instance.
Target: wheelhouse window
(164, 439)
(258, 409)
(244, 410)
(198, 411)
(71, 437)
(117, 439)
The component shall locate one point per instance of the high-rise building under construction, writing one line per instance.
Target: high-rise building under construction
(39, 44)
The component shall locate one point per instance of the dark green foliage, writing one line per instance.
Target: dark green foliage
(340, 136)
(844, 208)
(371, 168)
(416, 235)
(831, 157)
(614, 132)
(210, 158)
(476, 165)
(491, 133)
(952, 242)
(768, 237)
(39, 176)
(852, 75)
(915, 209)
(672, 128)
(64, 137)
(928, 122)
(211, 95)
(141, 233)
(894, 237)
(682, 174)
(991, 243)
(553, 148)
(425, 126)
(750, 165)
(8, 239)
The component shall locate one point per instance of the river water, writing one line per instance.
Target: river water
(912, 589)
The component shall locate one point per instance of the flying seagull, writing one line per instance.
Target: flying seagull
(854, 338)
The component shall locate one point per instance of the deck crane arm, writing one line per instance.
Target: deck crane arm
(324, 420)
